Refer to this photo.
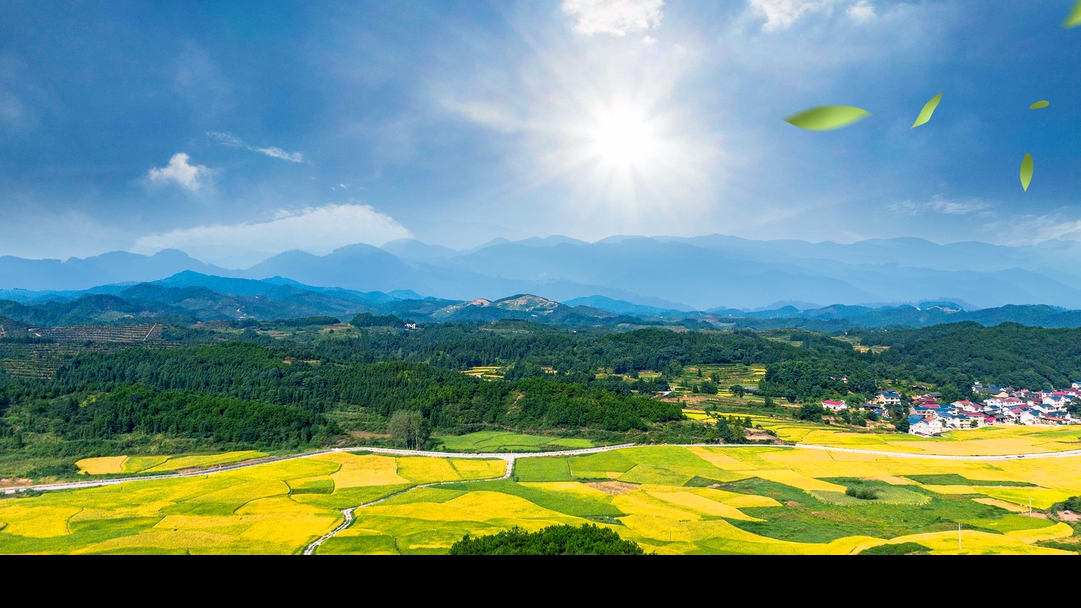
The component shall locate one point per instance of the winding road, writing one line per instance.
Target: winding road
(509, 457)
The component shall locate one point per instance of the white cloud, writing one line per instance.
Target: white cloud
(315, 230)
(861, 11)
(228, 139)
(615, 17)
(780, 14)
(941, 204)
(1033, 229)
(179, 171)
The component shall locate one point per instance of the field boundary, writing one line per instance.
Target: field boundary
(510, 457)
(348, 513)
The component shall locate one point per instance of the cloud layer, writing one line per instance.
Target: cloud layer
(180, 172)
(315, 230)
(228, 139)
(615, 17)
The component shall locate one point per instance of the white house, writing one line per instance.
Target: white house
(1028, 417)
(836, 406)
(888, 398)
(924, 427)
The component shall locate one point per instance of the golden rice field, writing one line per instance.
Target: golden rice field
(159, 464)
(985, 441)
(760, 499)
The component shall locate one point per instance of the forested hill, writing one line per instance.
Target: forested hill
(1008, 354)
(281, 390)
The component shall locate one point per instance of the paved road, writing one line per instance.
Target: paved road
(348, 513)
(510, 457)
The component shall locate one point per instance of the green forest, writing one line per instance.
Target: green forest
(234, 387)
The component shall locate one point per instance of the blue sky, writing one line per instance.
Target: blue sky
(238, 130)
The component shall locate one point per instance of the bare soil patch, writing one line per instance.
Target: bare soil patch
(1068, 516)
(613, 488)
(15, 482)
(368, 435)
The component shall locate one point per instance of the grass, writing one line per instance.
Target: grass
(953, 479)
(501, 441)
(897, 549)
(543, 469)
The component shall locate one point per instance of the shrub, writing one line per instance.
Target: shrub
(862, 493)
(553, 540)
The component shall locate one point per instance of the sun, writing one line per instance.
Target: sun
(621, 138)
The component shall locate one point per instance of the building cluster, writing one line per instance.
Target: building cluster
(1000, 405)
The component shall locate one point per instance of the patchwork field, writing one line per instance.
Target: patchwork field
(500, 441)
(687, 500)
(117, 465)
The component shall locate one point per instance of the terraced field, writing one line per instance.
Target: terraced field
(670, 499)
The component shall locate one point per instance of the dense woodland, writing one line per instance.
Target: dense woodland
(251, 389)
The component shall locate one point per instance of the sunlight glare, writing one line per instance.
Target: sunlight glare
(621, 138)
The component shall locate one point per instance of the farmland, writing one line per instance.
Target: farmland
(671, 500)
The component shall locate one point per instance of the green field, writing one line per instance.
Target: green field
(671, 500)
(501, 441)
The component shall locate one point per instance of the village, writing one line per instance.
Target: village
(999, 405)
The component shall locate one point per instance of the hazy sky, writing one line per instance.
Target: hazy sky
(223, 128)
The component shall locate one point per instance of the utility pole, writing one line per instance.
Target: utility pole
(958, 536)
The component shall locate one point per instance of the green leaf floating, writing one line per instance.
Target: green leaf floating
(927, 111)
(827, 118)
(1043, 103)
(1026, 171)
(1074, 18)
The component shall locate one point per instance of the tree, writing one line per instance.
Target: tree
(407, 427)
(810, 412)
(588, 539)
(737, 390)
(901, 423)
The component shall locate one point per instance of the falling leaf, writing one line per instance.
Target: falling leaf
(1074, 18)
(927, 111)
(1026, 171)
(827, 118)
(1043, 103)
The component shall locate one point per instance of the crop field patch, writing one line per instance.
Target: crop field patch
(367, 470)
(104, 465)
(179, 463)
(503, 441)
(953, 479)
(138, 464)
(671, 500)
(543, 469)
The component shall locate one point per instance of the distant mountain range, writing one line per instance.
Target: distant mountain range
(188, 297)
(715, 273)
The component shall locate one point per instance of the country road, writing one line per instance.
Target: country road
(510, 457)
(348, 513)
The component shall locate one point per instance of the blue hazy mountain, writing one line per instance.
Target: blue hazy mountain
(106, 269)
(188, 296)
(703, 273)
(621, 307)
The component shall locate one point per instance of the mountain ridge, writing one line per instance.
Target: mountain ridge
(676, 273)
